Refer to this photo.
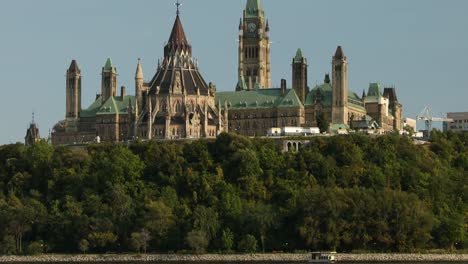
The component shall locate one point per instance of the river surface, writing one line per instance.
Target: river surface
(215, 262)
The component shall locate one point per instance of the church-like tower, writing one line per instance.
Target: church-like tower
(73, 91)
(109, 81)
(299, 75)
(340, 87)
(254, 47)
(139, 83)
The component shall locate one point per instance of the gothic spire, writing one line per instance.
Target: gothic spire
(177, 39)
(109, 66)
(139, 70)
(253, 5)
(74, 67)
(253, 8)
(339, 53)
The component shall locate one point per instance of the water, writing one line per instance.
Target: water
(215, 262)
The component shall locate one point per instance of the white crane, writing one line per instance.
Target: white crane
(427, 116)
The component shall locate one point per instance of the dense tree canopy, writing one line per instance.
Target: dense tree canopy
(236, 194)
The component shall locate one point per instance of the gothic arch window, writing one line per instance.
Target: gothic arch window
(255, 72)
(177, 106)
(246, 53)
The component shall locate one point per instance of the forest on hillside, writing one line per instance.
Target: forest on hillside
(235, 194)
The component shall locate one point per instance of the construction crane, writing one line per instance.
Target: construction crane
(427, 116)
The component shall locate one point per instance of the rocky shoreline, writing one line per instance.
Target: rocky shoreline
(232, 258)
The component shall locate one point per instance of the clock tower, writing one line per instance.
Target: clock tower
(254, 47)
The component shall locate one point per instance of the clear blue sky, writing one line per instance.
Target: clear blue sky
(419, 46)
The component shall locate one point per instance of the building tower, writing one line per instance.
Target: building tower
(109, 81)
(340, 88)
(73, 91)
(32, 134)
(254, 47)
(299, 75)
(139, 83)
(394, 107)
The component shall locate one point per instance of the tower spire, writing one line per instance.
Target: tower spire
(178, 4)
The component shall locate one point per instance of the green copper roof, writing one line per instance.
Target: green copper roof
(322, 93)
(113, 105)
(374, 92)
(116, 105)
(355, 101)
(92, 109)
(109, 66)
(254, 8)
(299, 56)
(259, 99)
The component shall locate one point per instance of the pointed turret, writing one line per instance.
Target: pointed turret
(32, 134)
(299, 58)
(339, 53)
(139, 70)
(267, 27)
(240, 24)
(339, 88)
(73, 91)
(177, 40)
(108, 81)
(363, 94)
(109, 67)
(139, 82)
(74, 67)
(254, 8)
(299, 75)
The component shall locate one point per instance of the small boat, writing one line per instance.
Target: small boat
(322, 257)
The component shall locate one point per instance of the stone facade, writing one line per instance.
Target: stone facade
(254, 108)
(254, 47)
(176, 103)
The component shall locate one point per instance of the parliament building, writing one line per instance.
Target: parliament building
(177, 102)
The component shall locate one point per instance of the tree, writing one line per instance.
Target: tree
(83, 245)
(247, 244)
(101, 239)
(198, 241)
(227, 239)
(206, 220)
(139, 240)
(322, 122)
(158, 219)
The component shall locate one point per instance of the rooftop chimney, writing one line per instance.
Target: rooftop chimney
(123, 91)
(283, 87)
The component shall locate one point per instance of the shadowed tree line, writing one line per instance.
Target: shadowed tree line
(235, 194)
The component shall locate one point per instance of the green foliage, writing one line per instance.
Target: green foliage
(83, 246)
(248, 244)
(139, 240)
(227, 240)
(322, 122)
(35, 248)
(234, 193)
(198, 241)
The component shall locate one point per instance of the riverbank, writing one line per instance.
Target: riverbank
(232, 258)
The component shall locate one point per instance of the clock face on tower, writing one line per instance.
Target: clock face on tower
(252, 27)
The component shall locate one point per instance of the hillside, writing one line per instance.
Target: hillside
(236, 194)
